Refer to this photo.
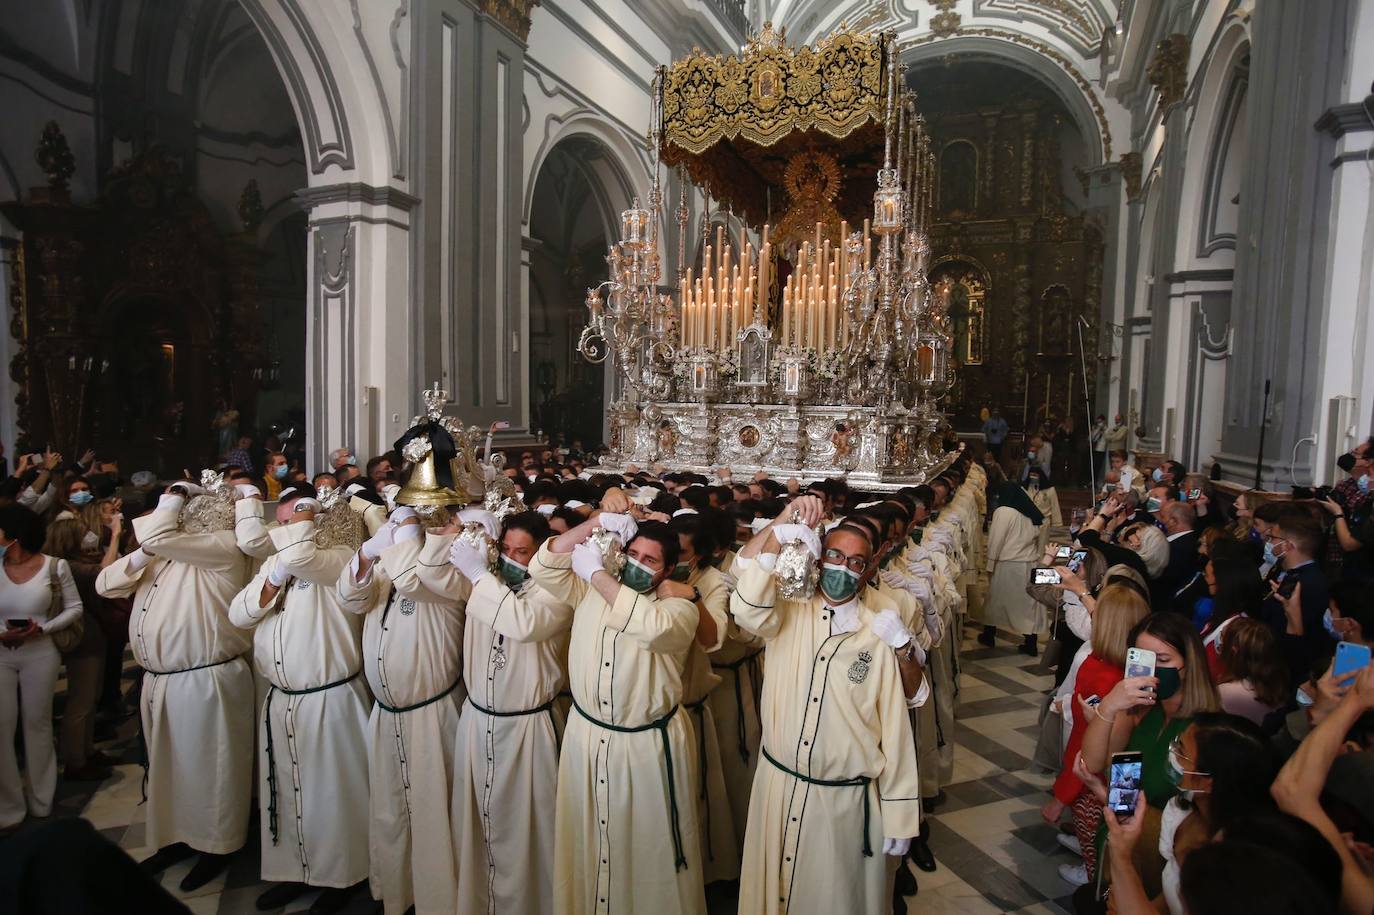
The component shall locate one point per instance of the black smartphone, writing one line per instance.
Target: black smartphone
(16, 624)
(1124, 784)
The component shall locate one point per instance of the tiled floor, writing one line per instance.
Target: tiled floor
(995, 854)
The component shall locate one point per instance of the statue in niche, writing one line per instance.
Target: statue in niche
(843, 441)
(667, 440)
(1055, 310)
(753, 360)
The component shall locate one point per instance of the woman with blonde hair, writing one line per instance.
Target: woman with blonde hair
(1243, 528)
(1150, 543)
(1146, 715)
(1115, 612)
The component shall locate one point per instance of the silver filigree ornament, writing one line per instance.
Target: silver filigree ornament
(214, 483)
(608, 545)
(417, 448)
(330, 496)
(210, 511)
(475, 535)
(796, 572)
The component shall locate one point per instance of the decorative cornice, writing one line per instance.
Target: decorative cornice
(1339, 120)
(355, 192)
(514, 15)
(1168, 71)
(1131, 165)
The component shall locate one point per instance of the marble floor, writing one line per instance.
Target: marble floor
(995, 854)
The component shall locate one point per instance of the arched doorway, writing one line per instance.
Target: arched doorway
(577, 194)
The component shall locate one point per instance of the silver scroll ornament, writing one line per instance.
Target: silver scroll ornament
(475, 535)
(797, 571)
(612, 554)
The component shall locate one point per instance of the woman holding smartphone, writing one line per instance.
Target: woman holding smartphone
(1145, 714)
(29, 612)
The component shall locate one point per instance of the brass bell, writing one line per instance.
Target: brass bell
(422, 487)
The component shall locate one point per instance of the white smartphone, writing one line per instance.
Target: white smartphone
(500, 424)
(1140, 662)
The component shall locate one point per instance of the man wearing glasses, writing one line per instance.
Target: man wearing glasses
(836, 797)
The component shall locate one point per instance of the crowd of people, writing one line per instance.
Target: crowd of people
(613, 690)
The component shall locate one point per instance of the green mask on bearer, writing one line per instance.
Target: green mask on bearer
(512, 572)
(681, 572)
(636, 577)
(838, 583)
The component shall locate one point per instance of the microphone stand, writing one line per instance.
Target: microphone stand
(1087, 408)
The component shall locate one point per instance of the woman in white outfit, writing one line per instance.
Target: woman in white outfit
(29, 662)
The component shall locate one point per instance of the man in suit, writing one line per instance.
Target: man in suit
(1300, 591)
(1179, 521)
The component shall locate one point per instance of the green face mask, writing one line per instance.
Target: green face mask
(1152, 505)
(682, 571)
(636, 577)
(512, 572)
(1169, 682)
(838, 583)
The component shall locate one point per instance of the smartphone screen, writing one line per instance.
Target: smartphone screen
(1349, 657)
(1194, 495)
(1140, 662)
(1046, 577)
(16, 624)
(1064, 552)
(1124, 785)
(1076, 560)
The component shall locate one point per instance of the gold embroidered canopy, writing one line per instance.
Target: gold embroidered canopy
(736, 123)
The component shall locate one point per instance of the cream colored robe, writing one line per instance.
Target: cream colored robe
(506, 766)
(412, 652)
(1012, 553)
(719, 841)
(198, 724)
(832, 709)
(319, 739)
(614, 842)
(734, 705)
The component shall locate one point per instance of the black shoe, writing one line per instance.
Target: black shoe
(904, 886)
(203, 871)
(1028, 647)
(165, 857)
(333, 899)
(988, 636)
(928, 804)
(921, 855)
(280, 895)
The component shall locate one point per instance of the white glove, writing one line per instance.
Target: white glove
(896, 847)
(887, 625)
(468, 559)
(139, 559)
(374, 546)
(278, 574)
(187, 488)
(403, 513)
(406, 532)
(247, 491)
(934, 625)
(623, 526)
(894, 579)
(171, 502)
(789, 533)
(483, 517)
(587, 560)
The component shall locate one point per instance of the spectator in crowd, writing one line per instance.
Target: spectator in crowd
(1234, 589)
(1254, 682)
(1179, 520)
(1295, 609)
(38, 599)
(995, 431)
(1012, 548)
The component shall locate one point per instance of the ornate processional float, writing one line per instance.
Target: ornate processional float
(813, 347)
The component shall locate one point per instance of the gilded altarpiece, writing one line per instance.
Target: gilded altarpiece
(1011, 248)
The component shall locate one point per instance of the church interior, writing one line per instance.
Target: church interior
(1057, 308)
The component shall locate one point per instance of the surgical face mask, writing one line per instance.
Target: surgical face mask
(90, 541)
(1152, 505)
(1176, 771)
(512, 572)
(351, 460)
(81, 497)
(280, 471)
(636, 576)
(681, 572)
(1158, 475)
(1269, 556)
(1170, 679)
(838, 582)
(1303, 698)
(1330, 625)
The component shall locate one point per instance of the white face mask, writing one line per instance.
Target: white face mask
(91, 541)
